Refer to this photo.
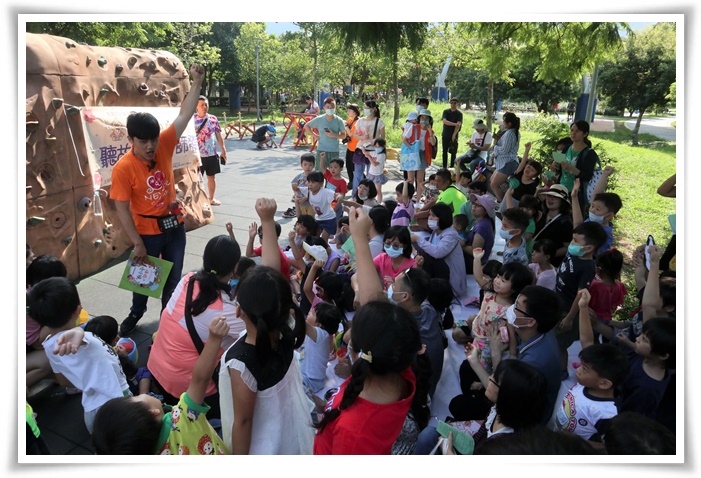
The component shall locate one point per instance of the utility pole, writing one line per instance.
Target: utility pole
(258, 117)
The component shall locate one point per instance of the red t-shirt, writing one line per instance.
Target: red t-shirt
(364, 428)
(606, 298)
(148, 192)
(284, 264)
(339, 185)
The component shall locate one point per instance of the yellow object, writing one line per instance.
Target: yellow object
(82, 318)
(393, 153)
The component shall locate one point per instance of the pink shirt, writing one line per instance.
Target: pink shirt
(383, 264)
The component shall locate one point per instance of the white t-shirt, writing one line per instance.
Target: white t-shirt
(94, 369)
(377, 170)
(321, 202)
(582, 414)
(365, 127)
(316, 355)
(480, 139)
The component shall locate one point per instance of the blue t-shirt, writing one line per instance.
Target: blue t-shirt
(336, 125)
(543, 352)
(609, 237)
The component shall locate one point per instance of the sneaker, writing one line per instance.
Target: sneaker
(214, 202)
(128, 325)
(73, 391)
(290, 213)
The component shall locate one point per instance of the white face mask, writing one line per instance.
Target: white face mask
(366, 112)
(432, 224)
(330, 111)
(419, 108)
(511, 316)
(594, 218)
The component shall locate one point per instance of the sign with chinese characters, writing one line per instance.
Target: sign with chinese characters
(106, 137)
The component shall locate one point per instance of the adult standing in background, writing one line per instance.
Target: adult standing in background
(369, 127)
(208, 136)
(350, 140)
(330, 129)
(143, 191)
(452, 122)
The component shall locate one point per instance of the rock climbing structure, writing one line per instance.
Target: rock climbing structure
(64, 217)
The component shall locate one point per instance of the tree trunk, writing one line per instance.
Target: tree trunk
(634, 134)
(490, 103)
(396, 91)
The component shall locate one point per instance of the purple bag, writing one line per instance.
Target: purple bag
(359, 157)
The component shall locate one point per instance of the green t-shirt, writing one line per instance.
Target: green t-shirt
(567, 178)
(454, 197)
(336, 125)
(186, 431)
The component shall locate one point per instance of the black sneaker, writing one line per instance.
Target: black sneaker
(128, 325)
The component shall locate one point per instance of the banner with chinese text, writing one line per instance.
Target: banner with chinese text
(106, 137)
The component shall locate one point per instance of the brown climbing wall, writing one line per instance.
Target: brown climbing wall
(61, 76)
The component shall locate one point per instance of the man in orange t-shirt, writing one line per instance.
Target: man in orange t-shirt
(143, 189)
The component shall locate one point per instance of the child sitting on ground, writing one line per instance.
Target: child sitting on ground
(554, 172)
(652, 360)
(478, 188)
(307, 161)
(321, 326)
(589, 405)
(576, 272)
(94, 368)
(404, 212)
(545, 273)
(514, 223)
(138, 425)
(602, 209)
(532, 206)
(607, 291)
(463, 183)
(255, 230)
(507, 285)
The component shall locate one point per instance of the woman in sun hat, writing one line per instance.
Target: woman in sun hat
(556, 221)
(423, 133)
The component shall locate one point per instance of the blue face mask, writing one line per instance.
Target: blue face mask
(424, 123)
(505, 235)
(233, 283)
(392, 252)
(419, 108)
(330, 111)
(366, 112)
(594, 218)
(390, 293)
(575, 250)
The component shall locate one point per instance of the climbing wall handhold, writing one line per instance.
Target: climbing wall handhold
(102, 61)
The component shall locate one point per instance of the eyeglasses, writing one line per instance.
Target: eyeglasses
(406, 275)
(520, 310)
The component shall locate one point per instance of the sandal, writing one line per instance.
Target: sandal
(214, 202)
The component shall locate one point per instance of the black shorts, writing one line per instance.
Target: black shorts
(210, 165)
(257, 139)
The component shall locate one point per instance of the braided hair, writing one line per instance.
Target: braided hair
(390, 335)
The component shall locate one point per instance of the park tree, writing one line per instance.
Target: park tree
(543, 94)
(190, 41)
(245, 44)
(124, 34)
(384, 38)
(226, 72)
(562, 50)
(641, 75)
